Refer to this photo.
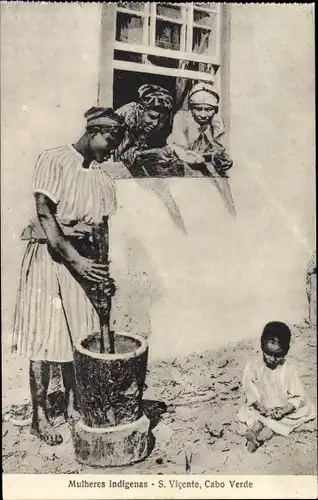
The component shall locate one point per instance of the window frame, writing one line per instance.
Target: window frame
(221, 63)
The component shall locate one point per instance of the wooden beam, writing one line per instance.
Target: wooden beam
(170, 54)
(190, 29)
(106, 71)
(202, 26)
(183, 28)
(131, 12)
(205, 9)
(169, 19)
(152, 36)
(160, 70)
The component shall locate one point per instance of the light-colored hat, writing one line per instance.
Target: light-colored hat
(203, 93)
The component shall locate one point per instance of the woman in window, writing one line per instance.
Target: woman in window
(198, 132)
(59, 267)
(148, 122)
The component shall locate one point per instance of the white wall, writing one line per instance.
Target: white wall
(227, 276)
(272, 113)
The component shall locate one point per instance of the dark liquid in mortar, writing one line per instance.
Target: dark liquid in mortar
(123, 345)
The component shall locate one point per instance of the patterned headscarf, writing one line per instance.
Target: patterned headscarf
(153, 96)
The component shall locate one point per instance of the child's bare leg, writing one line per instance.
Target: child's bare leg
(252, 436)
(265, 434)
(69, 381)
(39, 383)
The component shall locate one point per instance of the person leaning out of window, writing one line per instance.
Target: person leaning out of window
(148, 121)
(197, 134)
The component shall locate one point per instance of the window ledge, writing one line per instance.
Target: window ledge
(117, 171)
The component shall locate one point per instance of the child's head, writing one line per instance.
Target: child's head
(203, 103)
(275, 342)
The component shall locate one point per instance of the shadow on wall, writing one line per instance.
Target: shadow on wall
(164, 194)
(137, 291)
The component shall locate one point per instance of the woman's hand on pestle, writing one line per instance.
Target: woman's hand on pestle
(91, 270)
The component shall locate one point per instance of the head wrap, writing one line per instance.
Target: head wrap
(152, 96)
(203, 93)
(103, 117)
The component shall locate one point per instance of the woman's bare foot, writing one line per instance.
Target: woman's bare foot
(42, 428)
(39, 383)
(71, 413)
(251, 446)
(68, 373)
(265, 434)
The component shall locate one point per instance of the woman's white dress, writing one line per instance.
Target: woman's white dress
(52, 310)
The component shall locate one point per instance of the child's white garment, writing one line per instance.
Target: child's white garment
(274, 388)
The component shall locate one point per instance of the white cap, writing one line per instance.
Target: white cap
(203, 93)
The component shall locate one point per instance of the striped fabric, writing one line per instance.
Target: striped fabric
(81, 194)
(52, 310)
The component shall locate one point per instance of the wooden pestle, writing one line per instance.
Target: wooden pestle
(101, 243)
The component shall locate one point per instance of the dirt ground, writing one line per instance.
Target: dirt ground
(195, 400)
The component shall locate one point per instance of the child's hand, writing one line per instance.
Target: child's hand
(288, 409)
(278, 413)
(261, 408)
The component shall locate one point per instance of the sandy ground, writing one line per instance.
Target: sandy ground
(196, 400)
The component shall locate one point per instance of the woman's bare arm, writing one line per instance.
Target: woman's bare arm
(46, 214)
(83, 267)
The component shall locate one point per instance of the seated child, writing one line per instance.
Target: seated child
(275, 400)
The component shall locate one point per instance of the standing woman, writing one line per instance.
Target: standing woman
(148, 122)
(72, 193)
